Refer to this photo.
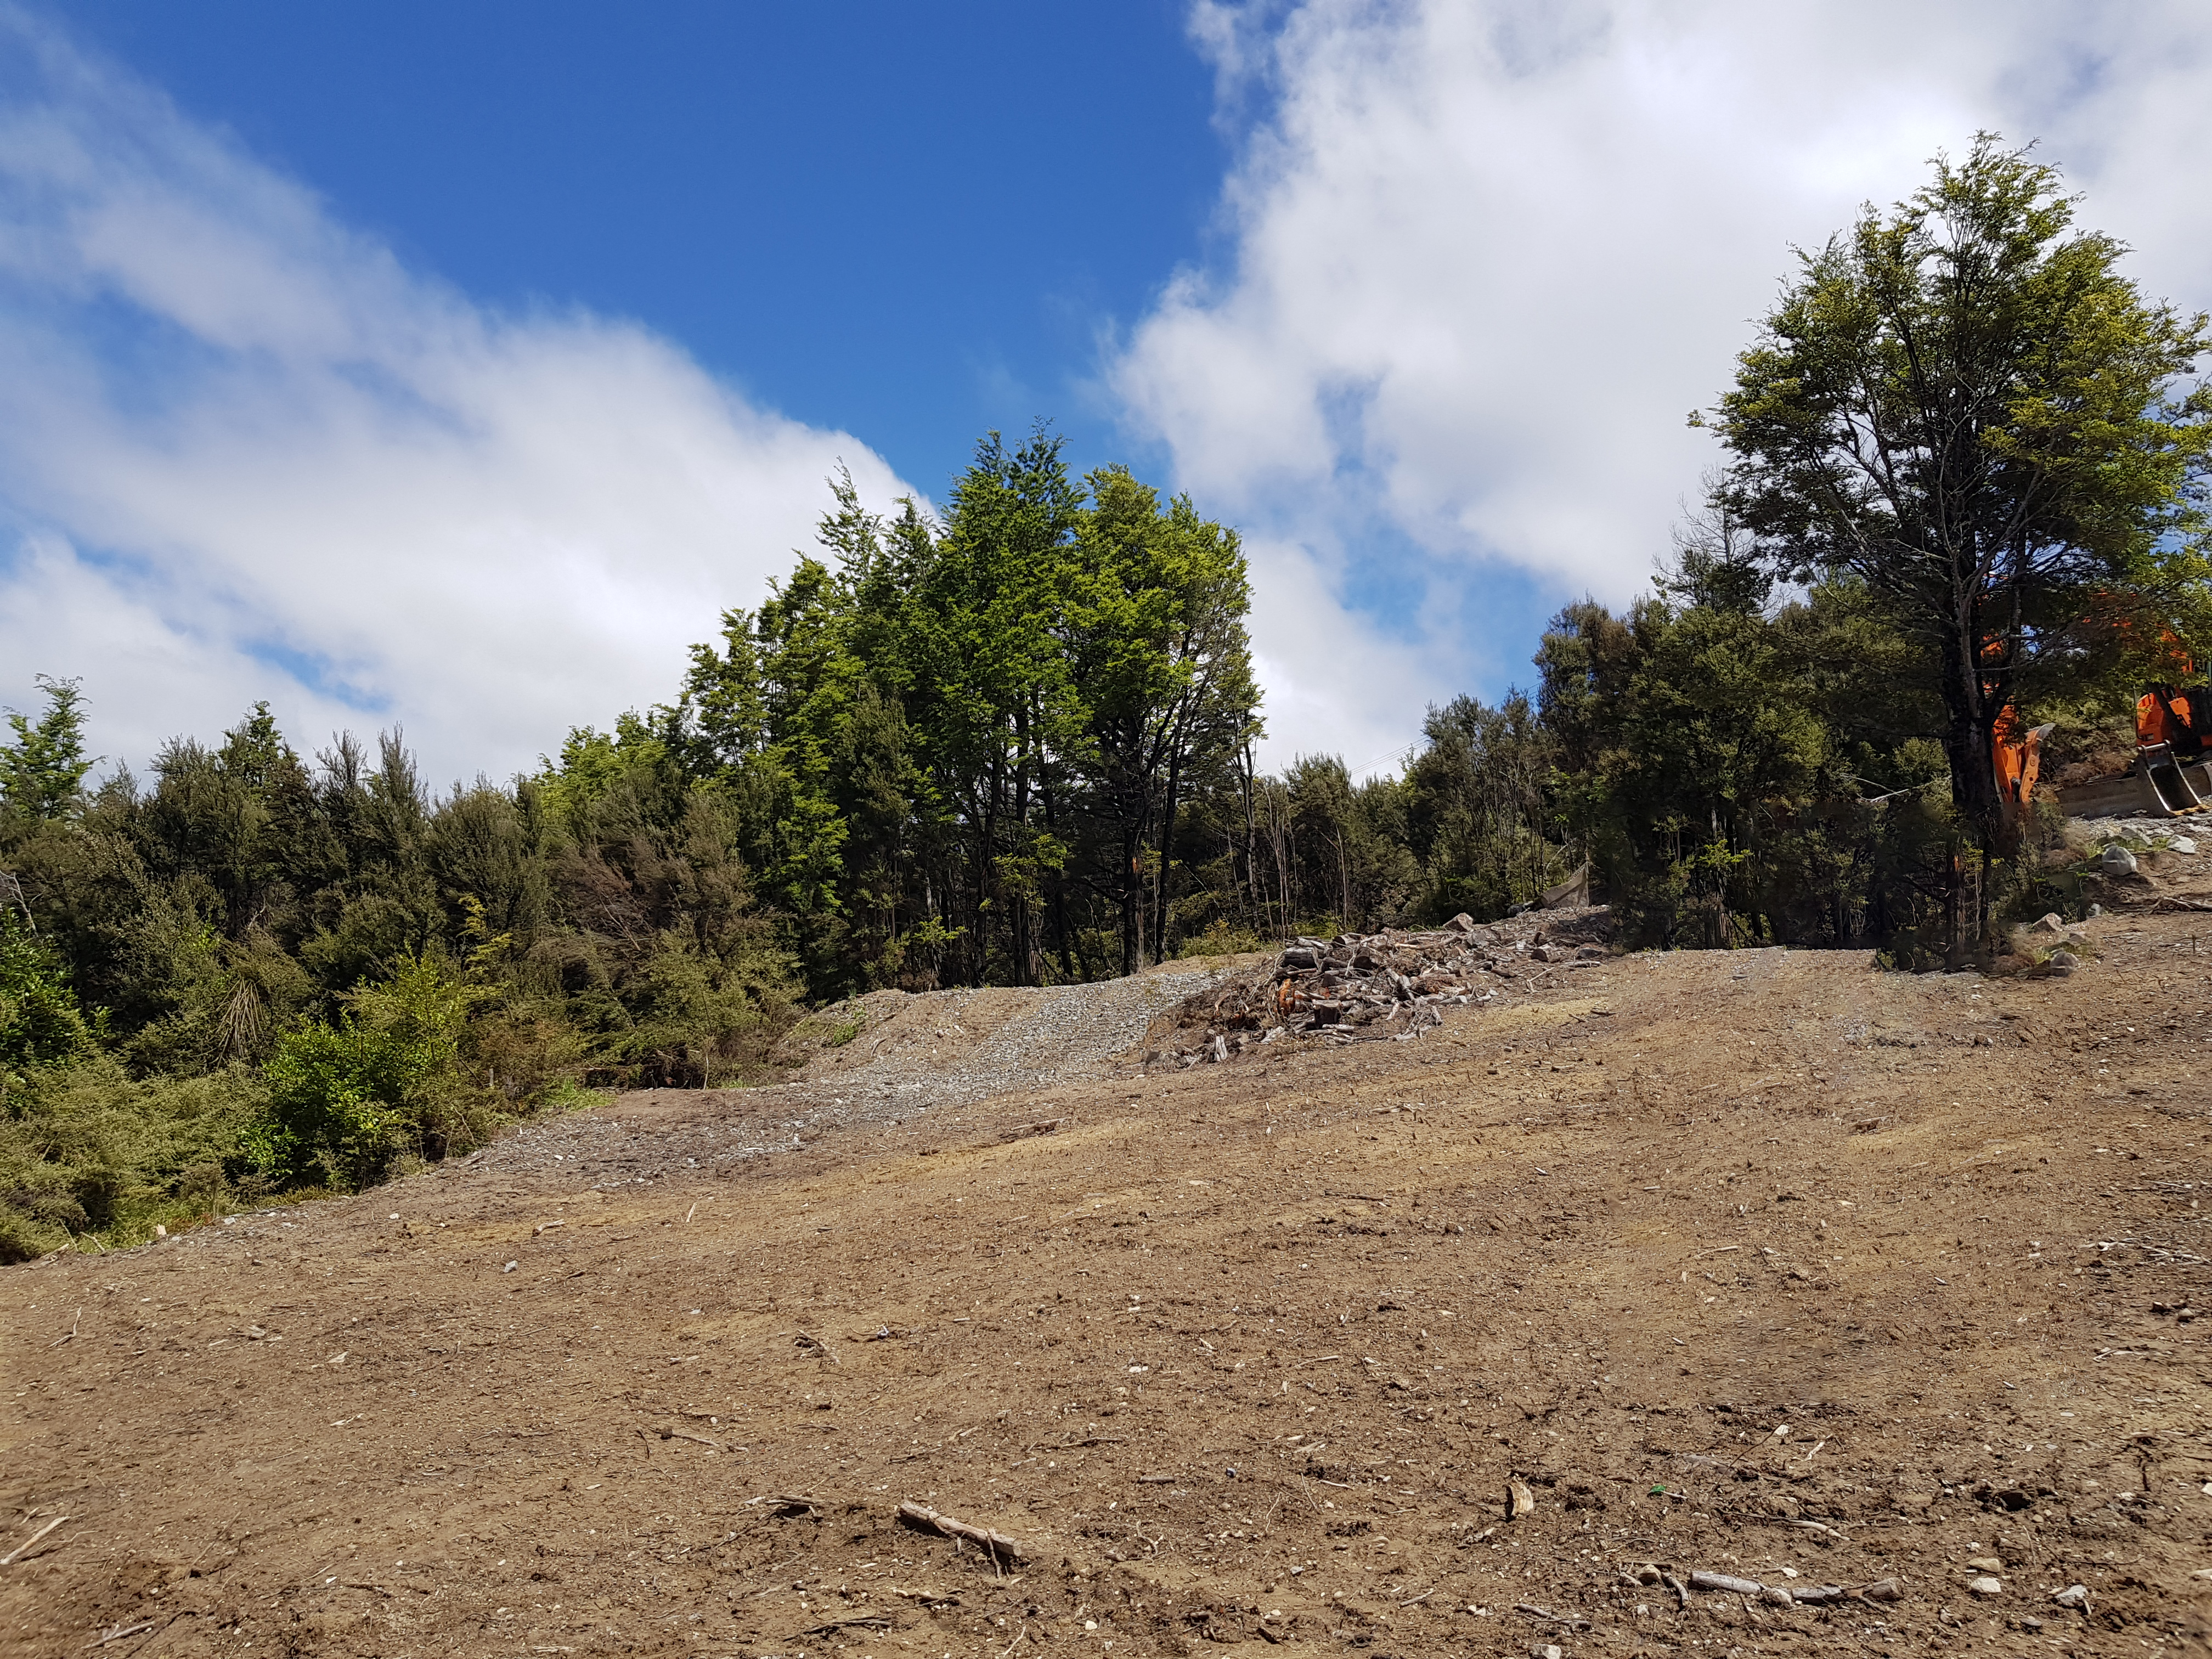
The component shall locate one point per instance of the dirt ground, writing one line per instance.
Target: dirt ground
(1761, 1263)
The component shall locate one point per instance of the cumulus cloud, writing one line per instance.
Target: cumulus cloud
(1479, 259)
(245, 453)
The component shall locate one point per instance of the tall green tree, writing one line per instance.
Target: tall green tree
(1158, 644)
(42, 771)
(1963, 405)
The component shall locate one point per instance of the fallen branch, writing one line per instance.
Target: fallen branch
(1882, 1589)
(859, 1621)
(33, 1539)
(71, 1331)
(118, 1634)
(1681, 1590)
(994, 1543)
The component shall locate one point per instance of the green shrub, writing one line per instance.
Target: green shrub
(385, 1081)
(39, 1019)
(87, 1148)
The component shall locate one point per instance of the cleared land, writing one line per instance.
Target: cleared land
(1758, 1263)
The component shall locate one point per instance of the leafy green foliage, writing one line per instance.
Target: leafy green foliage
(42, 771)
(383, 1079)
(1962, 406)
(40, 1020)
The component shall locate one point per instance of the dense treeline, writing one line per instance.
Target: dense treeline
(1016, 746)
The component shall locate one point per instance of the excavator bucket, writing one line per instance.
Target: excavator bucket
(2170, 734)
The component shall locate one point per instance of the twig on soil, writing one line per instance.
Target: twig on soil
(1721, 1249)
(1016, 1642)
(118, 1634)
(1418, 1600)
(1572, 1621)
(785, 1502)
(1681, 1590)
(995, 1543)
(861, 1621)
(33, 1539)
(74, 1323)
(807, 1339)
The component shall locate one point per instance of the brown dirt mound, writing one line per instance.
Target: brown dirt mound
(1759, 1264)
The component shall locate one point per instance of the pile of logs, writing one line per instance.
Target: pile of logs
(1372, 987)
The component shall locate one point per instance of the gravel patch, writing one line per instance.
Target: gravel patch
(913, 1055)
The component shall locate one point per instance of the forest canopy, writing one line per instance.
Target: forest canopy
(1016, 744)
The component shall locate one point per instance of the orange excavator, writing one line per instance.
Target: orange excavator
(2174, 728)
(2173, 742)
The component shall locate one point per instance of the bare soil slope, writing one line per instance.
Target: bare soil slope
(1761, 1264)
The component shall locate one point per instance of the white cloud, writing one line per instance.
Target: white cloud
(236, 436)
(1480, 259)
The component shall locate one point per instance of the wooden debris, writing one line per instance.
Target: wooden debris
(808, 1340)
(1519, 1500)
(858, 1621)
(927, 1598)
(33, 1539)
(117, 1634)
(786, 1503)
(1880, 1589)
(1571, 1620)
(1376, 987)
(996, 1544)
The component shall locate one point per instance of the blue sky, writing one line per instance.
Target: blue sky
(452, 366)
(908, 222)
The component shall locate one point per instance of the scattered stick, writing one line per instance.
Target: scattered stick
(1719, 1250)
(1572, 1621)
(542, 1225)
(117, 1635)
(1727, 1583)
(1681, 1590)
(1418, 1600)
(1882, 1589)
(785, 1502)
(71, 1331)
(1157, 1479)
(859, 1621)
(1016, 1642)
(807, 1339)
(1815, 1526)
(701, 1439)
(927, 1598)
(994, 1543)
(33, 1539)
